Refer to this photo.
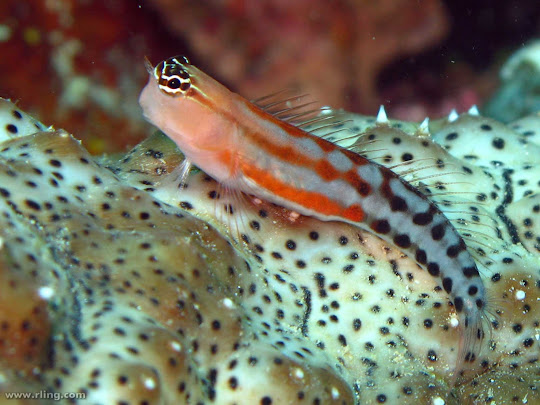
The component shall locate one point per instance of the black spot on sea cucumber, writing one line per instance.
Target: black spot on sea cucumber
(255, 225)
(528, 342)
(432, 355)
(342, 340)
(407, 157)
(348, 268)
(266, 400)
(498, 143)
(186, 205)
(32, 204)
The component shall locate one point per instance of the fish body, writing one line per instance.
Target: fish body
(247, 149)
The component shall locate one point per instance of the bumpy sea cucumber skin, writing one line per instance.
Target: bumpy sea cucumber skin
(144, 300)
(15, 122)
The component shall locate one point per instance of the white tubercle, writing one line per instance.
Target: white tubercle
(423, 129)
(453, 115)
(474, 110)
(382, 118)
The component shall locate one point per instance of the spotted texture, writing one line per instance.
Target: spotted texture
(147, 300)
(16, 122)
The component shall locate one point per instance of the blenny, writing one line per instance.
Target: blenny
(249, 150)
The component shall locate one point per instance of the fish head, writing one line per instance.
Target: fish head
(193, 110)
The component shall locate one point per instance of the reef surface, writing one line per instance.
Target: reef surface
(118, 285)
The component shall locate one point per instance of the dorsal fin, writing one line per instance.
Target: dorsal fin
(297, 111)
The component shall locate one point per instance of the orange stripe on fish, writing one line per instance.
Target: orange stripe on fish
(308, 199)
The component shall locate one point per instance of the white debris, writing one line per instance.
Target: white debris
(176, 346)
(299, 373)
(149, 383)
(46, 292)
(438, 401)
(227, 303)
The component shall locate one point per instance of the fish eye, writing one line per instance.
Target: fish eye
(174, 83)
(172, 77)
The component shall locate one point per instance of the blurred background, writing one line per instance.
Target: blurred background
(78, 64)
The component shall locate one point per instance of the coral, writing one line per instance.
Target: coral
(81, 49)
(518, 94)
(127, 289)
(337, 47)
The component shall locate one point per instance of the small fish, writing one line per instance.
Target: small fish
(249, 150)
